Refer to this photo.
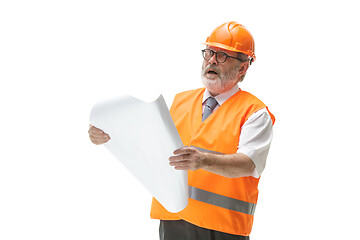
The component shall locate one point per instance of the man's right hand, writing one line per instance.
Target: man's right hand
(97, 136)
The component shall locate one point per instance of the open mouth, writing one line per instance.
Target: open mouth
(212, 72)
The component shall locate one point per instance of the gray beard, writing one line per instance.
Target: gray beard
(223, 83)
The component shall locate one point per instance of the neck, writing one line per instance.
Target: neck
(213, 94)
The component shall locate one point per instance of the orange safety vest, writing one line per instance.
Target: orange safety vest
(215, 202)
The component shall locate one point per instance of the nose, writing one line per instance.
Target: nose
(213, 60)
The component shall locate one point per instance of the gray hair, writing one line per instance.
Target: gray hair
(244, 58)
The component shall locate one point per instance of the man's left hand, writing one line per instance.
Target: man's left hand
(187, 158)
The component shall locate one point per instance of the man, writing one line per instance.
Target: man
(225, 152)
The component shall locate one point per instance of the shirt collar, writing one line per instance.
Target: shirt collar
(221, 98)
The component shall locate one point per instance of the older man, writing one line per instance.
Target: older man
(227, 133)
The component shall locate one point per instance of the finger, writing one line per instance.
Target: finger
(179, 164)
(100, 138)
(181, 168)
(99, 135)
(184, 150)
(93, 140)
(180, 158)
(98, 142)
(96, 130)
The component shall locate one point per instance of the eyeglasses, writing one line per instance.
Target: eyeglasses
(219, 56)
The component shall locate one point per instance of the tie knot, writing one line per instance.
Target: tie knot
(211, 103)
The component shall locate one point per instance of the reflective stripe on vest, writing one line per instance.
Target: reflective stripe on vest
(221, 201)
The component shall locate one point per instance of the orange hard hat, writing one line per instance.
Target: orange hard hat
(233, 36)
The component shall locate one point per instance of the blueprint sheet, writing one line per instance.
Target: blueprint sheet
(143, 137)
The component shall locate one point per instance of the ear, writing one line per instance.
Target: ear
(243, 68)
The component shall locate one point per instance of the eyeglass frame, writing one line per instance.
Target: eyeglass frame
(216, 53)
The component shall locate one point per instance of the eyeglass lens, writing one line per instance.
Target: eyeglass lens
(220, 56)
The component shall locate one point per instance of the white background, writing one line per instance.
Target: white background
(58, 58)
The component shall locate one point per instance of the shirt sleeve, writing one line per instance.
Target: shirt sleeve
(255, 139)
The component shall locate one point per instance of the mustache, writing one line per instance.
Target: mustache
(211, 66)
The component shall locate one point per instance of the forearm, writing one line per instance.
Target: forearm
(228, 165)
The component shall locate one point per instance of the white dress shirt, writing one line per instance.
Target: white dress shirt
(256, 133)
